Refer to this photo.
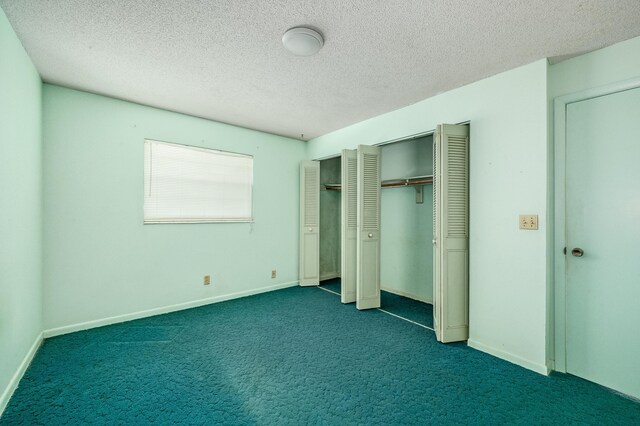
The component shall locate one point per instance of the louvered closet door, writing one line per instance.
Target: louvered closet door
(349, 225)
(451, 232)
(368, 225)
(309, 223)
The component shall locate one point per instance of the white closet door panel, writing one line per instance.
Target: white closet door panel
(370, 255)
(310, 276)
(455, 298)
(349, 225)
(368, 224)
(309, 223)
(451, 233)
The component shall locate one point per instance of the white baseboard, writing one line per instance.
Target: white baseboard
(408, 295)
(538, 368)
(329, 276)
(17, 376)
(162, 310)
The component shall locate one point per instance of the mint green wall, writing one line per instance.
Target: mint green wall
(602, 67)
(407, 227)
(406, 250)
(101, 261)
(21, 211)
(508, 177)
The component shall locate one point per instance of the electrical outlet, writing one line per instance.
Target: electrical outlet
(273, 273)
(207, 279)
(529, 221)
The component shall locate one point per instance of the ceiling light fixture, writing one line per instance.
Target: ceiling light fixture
(302, 41)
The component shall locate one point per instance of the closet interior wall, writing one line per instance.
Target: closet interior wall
(330, 219)
(406, 265)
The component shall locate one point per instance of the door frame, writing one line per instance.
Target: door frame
(558, 330)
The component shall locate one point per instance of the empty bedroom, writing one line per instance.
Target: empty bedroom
(280, 212)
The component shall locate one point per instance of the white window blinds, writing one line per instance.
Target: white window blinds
(186, 184)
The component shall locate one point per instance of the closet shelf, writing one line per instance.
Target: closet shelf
(391, 183)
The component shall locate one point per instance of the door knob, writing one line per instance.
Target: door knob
(577, 252)
(370, 235)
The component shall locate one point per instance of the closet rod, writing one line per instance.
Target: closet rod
(333, 186)
(391, 183)
(406, 182)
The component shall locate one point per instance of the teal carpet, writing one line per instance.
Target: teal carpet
(293, 356)
(420, 312)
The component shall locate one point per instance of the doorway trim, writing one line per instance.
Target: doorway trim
(558, 313)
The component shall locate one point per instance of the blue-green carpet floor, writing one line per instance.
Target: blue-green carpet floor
(422, 313)
(293, 356)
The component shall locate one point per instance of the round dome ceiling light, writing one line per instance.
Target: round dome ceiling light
(302, 41)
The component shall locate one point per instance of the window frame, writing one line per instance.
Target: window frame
(146, 221)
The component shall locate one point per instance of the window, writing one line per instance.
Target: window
(186, 184)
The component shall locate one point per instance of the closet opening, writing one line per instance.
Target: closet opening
(330, 222)
(406, 215)
(406, 228)
(395, 228)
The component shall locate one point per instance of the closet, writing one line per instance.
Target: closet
(343, 250)
(330, 218)
(378, 218)
(407, 218)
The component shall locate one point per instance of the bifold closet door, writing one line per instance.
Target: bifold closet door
(451, 232)
(309, 223)
(368, 228)
(349, 225)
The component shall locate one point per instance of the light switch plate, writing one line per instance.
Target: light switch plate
(529, 221)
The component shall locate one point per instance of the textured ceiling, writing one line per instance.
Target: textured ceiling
(224, 60)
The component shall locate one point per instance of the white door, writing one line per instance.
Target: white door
(602, 237)
(368, 225)
(349, 225)
(309, 223)
(451, 232)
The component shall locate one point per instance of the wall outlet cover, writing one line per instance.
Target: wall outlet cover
(528, 221)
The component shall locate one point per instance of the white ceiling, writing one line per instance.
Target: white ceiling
(224, 60)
